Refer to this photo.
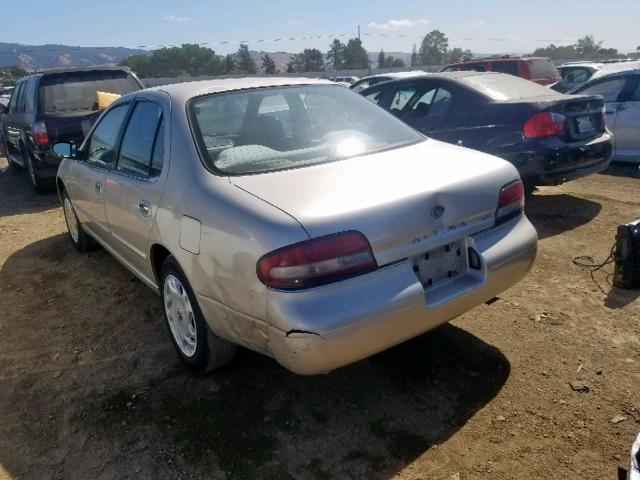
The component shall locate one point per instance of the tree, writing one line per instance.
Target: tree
(355, 56)
(268, 64)
(336, 54)
(392, 62)
(310, 60)
(229, 65)
(382, 61)
(434, 48)
(415, 60)
(188, 59)
(458, 55)
(245, 62)
(588, 46)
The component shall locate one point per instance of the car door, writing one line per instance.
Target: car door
(612, 89)
(134, 188)
(627, 126)
(88, 174)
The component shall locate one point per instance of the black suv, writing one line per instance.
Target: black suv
(57, 105)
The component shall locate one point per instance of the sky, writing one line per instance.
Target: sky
(483, 26)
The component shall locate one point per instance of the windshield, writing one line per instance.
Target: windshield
(505, 87)
(69, 91)
(276, 128)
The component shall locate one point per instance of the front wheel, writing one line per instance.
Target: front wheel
(197, 346)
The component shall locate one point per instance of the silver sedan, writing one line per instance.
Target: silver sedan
(292, 217)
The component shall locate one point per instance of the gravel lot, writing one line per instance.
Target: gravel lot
(90, 386)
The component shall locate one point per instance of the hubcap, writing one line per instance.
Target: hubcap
(180, 315)
(72, 221)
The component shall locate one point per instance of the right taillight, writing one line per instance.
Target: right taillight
(544, 124)
(510, 202)
(317, 261)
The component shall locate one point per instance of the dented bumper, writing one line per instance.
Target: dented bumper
(318, 330)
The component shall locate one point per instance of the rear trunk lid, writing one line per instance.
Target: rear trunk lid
(584, 114)
(70, 126)
(405, 201)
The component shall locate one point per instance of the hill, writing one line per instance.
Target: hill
(34, 57)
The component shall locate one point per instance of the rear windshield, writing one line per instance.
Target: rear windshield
(370, 82)
(505, 87)
(277, 128)
(542, 68)
(63, 92)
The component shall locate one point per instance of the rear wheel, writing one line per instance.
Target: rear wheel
(197, 346)
(79, 238)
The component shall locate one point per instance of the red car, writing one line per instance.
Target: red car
(537, 69)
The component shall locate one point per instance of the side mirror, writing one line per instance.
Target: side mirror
(64, 149)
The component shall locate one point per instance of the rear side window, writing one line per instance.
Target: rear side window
(509, 67)
(14, 103)
(138, 141)
(74, 91)
(101, 149)
(542, 68)
(609, 89)
(29, 96)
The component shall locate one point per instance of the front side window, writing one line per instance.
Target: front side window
(609, 89)
(278, 128)
(138, 141)
(101, 148)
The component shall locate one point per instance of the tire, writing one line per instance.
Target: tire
(39, 184)
(79, 238)
(196, 345)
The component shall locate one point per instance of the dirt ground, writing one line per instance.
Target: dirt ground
(90, 386)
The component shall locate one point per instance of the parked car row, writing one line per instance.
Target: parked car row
(337, 230)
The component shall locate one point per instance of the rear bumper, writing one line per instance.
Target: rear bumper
(318, 330)
(551, 161)
(46, 163)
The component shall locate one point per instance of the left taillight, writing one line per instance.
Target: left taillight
(510, 202)
(39, 133)
(544, 124)
(318, 261)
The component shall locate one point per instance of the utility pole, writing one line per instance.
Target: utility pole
(358, 32)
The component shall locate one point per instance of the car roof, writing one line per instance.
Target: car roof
(444, 75)
(187, 90)
(496, 59)
(94, 68)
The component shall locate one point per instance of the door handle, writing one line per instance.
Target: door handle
(98, 188)
(144, 208)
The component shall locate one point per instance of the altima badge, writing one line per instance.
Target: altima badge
(437, 211)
